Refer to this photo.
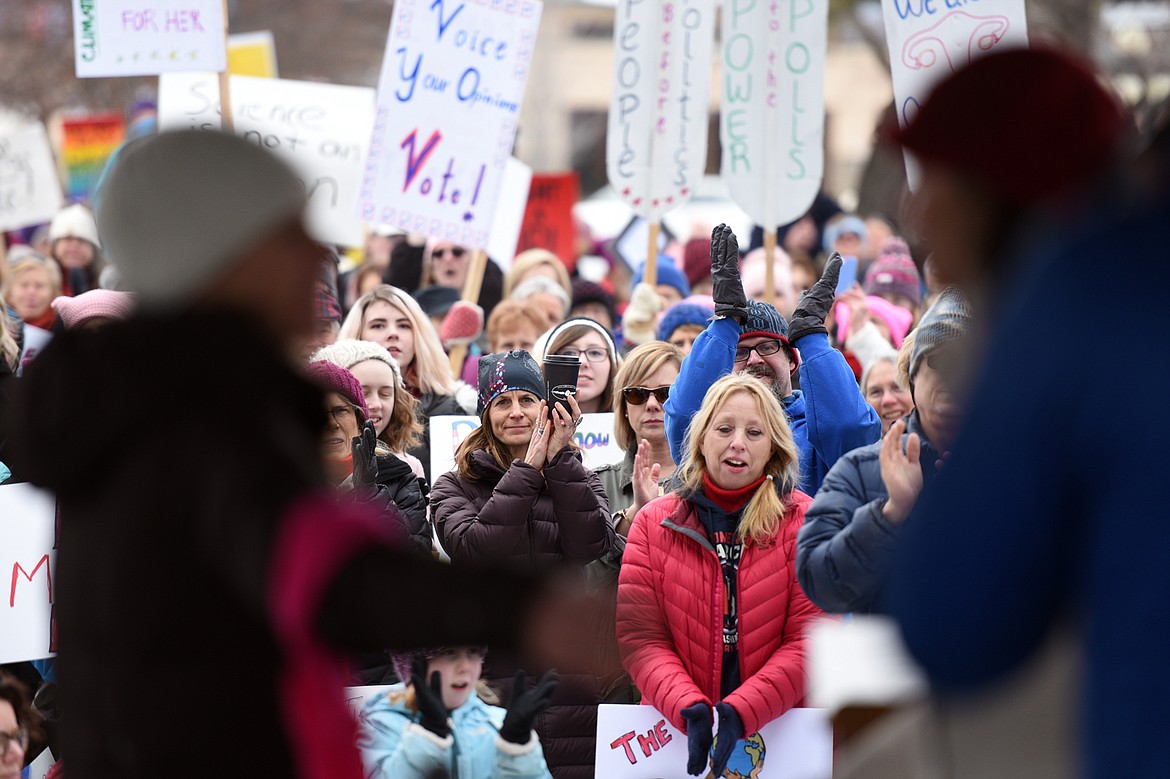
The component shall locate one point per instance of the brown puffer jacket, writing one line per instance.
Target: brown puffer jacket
(521, 516)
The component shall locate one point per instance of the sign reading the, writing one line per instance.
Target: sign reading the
(148, 37)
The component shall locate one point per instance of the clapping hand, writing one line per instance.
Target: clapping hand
(526, 705)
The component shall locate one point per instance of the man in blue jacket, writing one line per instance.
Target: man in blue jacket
(828, 414)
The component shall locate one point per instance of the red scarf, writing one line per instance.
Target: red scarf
(730, 500)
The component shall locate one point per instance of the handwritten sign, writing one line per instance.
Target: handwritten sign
(28, 563)
(148, 37)
(86, 143)
(321, 130)
(773, 106)
(356, 697)
(448, 105)
(638, 742)
(929, 40)
(594, 435)
(656, 149)
(30, 192)
(548, 217)
(39, 768)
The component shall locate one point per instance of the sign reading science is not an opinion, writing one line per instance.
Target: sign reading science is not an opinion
(148, 37)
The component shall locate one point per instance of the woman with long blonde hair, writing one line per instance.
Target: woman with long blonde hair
(709, 613)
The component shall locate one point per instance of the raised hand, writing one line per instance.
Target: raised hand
(813, 308)
(645, 478)
(365, 461)
(727, 286)
(526, 705)
(564, 425)
(538, 445)
(432, 714)
(901, 472)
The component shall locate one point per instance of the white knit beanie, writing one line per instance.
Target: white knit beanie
(348, 352)
(180, 208)
(74, 221)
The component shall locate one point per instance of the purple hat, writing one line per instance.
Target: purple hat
(334, 378)
(894, 272)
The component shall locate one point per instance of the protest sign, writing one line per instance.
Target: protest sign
(356, 697)
(39, 768)
(594, 435)
(86, 143)
(321, 130)
(929, 40)
(30, 192)
(638, 742)
(656, 148)
(773, 106)
(253, 54)
(148, 37)
(28, 560)
(448, 105)
(509, 216)
(548, 216)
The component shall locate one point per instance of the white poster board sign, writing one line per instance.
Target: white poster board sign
(638, 742)
(356, 697)
(929, 40)
(28, 562)
(594, 435)
(321, 130)
(772, 123)
(39, 768)
(148, 37)
(509, 218)
(30, 192)
(656, 147)
(449, 100)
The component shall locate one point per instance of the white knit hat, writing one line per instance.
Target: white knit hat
(180, 208)
(75, 221)
(348, 352)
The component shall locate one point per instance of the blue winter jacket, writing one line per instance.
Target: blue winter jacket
(845, 547)
(828, 414)
(394, 746)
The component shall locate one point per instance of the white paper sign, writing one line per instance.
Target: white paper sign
(594, 435)
(30, 192)
(148, 37)
(509, 218)
(321, 130)
(636, 742)
(929, 40)
(356, 697)
(39, 768)
(656, 149)
(28, 563)
(773, 106)
(448, 105)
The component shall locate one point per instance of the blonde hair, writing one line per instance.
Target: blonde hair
(432, 369)
(765, 513)
(641, 363)
(9, 351)
(532, 258)
(30, 262)
(511, 314)
(902, 366)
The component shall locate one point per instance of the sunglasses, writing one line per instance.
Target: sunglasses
(637, 396)
(454, 251)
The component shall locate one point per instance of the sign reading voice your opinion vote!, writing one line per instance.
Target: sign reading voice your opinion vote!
(30, 192)
(929, 40)
(656, 148)
(773, 105)
(448, 105)
(148, 37)
(28, 563)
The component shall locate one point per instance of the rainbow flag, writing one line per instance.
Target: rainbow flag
(86, 144)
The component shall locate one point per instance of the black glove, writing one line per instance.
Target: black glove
(526, 704)
(730, 731)
(432, 714)
(698, 717)
(814, 305)
(727, 286)
(365, 461)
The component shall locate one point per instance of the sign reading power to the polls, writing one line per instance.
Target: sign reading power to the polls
(449, 99)
(148, 37)
(28, 563)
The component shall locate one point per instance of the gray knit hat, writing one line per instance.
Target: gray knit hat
(949, 319)
(348, 352)
(180, 208)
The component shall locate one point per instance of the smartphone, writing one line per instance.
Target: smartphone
(848, 275)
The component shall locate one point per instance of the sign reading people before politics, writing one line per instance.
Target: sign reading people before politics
(448, 105)
(773, 106)
(638, 742)
(929, 40)
(28, 563)
(30, 192)
(321, 130)
(148, 37)
(656, 148)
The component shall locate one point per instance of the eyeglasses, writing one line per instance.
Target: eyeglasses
(763, 348)
(341, 414)
(636, 396)
(596, 354)
(945, 362)
(20, 738)
(454, 251)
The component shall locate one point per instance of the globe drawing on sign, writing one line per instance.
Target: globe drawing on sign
(747, 758)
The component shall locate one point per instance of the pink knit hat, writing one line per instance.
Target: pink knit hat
(894, 272)
(897, 319)
(95, 304)
(334, 378)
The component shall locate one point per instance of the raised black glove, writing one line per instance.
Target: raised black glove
(813, 308)
(727, 286)
(698, 717)
(432, 714)
(365, 461)
(526, 705)
(730, 731)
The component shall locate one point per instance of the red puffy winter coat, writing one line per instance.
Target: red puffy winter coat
(670, 615)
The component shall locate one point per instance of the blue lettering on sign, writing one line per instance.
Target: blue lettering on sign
(444, 23)
(411, 78)
(908, 8)
(591, 440)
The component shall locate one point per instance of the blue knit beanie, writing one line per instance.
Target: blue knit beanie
(682, 314)
(668, 273)
(764, 319)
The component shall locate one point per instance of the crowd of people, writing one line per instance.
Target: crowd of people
(272, 530)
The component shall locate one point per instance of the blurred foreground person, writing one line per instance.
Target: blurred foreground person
(221, 562)
(18, 723)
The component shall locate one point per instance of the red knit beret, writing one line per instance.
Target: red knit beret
(334, 378)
